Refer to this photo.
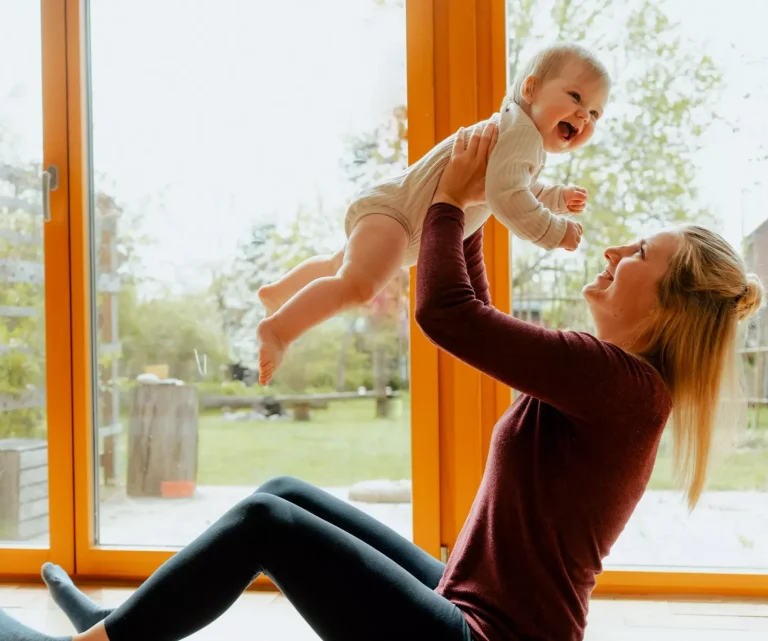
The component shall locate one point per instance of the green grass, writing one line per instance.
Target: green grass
(346, 444)
(738, 469)
(763, 418)
(337, 447)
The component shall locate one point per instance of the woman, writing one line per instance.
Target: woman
(568, 463)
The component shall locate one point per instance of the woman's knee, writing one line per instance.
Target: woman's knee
(263, 512)
(286, 487)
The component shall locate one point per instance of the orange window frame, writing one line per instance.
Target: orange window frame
(135, 563)
(26, 561)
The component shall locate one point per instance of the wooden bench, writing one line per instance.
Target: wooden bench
(300, 404)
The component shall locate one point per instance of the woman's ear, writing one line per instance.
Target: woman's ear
(528, 90)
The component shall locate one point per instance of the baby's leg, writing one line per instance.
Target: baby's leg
(374, 253)
(274, 295)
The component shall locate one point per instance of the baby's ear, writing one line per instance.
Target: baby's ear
(529, 87)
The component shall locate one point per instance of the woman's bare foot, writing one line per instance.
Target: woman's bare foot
(271, 350)
(269, 298)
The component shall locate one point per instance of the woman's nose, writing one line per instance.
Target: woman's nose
(612, 255)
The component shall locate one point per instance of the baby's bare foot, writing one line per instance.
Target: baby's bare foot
(271, 351)
(270, 300)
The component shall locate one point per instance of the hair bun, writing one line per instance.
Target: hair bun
(752, 299)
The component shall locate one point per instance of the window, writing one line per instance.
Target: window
(682, 140)
(222, 159)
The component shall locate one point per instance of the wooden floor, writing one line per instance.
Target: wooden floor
(266, 616)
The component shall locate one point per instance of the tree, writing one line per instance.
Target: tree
(359, 347)
(371, 157)
(367, 343)
(168, 329)
(22, 288)
(640, 168)
(378, 154)
(22, 302)
(270, 251)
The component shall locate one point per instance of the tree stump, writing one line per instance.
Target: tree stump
(162, 438)
(301, 411)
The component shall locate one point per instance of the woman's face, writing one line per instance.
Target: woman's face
(623, 295)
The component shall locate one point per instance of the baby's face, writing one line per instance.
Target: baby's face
(566, 109)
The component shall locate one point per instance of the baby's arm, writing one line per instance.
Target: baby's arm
(509, 194)
(551, 196)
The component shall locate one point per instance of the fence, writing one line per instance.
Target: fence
(22, 281)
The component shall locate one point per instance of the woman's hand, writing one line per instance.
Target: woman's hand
(463, 181)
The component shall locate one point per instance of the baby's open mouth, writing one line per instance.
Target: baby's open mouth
(567, 130)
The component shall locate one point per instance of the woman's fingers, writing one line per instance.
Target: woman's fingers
(494, 139)
(458, 142)
(482, 140)
(486, 137)
(474, 140)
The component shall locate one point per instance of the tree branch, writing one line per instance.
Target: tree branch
(523, 274)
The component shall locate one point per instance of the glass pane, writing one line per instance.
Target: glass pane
(683, 140)
(23, 430)
(225, 149)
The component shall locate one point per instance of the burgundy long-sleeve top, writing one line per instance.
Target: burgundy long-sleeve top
(568, 461)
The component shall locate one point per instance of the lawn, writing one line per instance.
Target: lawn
(337, 447)
(346, 444)
(745, 468)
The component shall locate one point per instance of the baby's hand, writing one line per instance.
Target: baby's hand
(575, 198)
(572, 237)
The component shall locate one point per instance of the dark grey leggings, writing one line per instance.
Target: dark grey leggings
(348, 575)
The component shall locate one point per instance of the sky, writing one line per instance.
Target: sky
(208, 121)
(728, 174)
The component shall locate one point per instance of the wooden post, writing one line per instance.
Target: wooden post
(108, 393)
(163, 437)
(301, 411)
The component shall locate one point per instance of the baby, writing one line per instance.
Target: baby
(553, 107)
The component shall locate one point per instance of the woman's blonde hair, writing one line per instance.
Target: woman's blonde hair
(691, 338)
(549, 62)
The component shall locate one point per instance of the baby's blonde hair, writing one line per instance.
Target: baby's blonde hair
(692, 339)
(549, 62)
